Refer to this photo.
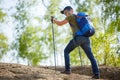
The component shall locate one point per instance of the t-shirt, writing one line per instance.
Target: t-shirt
(71, 19)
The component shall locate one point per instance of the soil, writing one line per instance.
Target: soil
(22, 72)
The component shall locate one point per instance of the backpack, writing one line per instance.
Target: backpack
(85, 27)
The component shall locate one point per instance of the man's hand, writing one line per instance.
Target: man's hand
(52, 18)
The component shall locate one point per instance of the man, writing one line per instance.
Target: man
(78, 40)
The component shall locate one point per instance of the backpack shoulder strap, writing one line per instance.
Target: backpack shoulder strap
(76, 20)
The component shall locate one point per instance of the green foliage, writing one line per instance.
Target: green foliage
(102, 49)
(3, 45)
(52, 9)
(111, 9)
(2, 15)
(22, 19)
(111, 12)
(113, 25)
(21, 16)
(30, 45)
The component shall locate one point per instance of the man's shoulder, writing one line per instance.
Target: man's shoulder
(69, 17)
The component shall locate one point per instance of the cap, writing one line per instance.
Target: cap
(66, 8)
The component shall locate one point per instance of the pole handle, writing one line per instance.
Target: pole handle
(52, 18)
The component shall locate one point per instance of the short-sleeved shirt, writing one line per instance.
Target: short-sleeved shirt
(71, 19)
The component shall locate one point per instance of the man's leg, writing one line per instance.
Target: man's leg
(71, 45)
(77, 41)
(86, 47)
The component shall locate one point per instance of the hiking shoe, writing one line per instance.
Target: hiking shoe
(66, 72)
(96, 76)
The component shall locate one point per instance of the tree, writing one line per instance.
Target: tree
(111, 11)
(21, 20)
(3, 45)
(2, 15)
(111, 14)
(3, 39)
(21, 17)
(31, 45)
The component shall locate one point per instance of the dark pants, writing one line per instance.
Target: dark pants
(84, 42)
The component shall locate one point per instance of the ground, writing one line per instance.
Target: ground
(22, 72)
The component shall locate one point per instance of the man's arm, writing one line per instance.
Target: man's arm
(60, 23)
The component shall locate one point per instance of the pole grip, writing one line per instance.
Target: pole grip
(52, 18)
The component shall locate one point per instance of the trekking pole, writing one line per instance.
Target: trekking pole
(53, 42)
(80, 56)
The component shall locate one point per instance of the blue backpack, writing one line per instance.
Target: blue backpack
(84, 25)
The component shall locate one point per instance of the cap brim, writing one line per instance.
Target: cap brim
(62, 12)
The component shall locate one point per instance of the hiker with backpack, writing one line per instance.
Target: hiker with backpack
(82, 30)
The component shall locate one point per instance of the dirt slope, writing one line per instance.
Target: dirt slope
(22, 72)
